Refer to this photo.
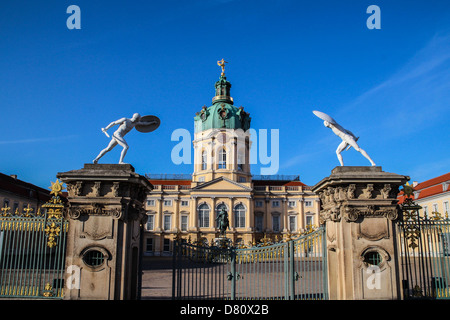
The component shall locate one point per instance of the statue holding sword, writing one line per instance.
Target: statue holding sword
(142, 124)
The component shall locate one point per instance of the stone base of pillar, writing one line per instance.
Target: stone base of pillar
(359, 208)
(106, 217)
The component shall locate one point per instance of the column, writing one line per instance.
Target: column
(193, 216)
(176, 223)
(267, 215)
(213, 215)
(158, 220)
(301, 214)
(231, 213)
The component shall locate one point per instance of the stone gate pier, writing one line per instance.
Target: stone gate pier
(359, 207)
(106, 217)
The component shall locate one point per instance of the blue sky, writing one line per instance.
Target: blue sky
(58, 87)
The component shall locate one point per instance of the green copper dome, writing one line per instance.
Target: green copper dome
(222, 113)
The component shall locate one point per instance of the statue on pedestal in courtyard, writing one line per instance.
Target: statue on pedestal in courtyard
(348, 138)
(142, 124)
(222, 221)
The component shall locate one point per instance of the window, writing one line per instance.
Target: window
(184, 203)
(425, 211)
(242, 179)
(276, 223)
(309, 220)
(240, 160)
(291, 203)
(167, 221)
(435, 207)
(258, 203)
(151, 203)
(239, 216)
(275, 203)
(93, 258)
(16, 207)
(204, 160)
(222, 159)
(292, 223)
(201, 179)
(5, 203)
(166, 247)
(184, 223)
(372, 258)
(168, 203)
(258, 223)
(151, 222)
(203, 216)
(149, 244)
(308, 203)
(445, 207)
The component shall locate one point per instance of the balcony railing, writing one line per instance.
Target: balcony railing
(168, 176)
(281, 189)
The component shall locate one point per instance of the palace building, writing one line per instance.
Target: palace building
(185, 207)
(433, 196)
(19, 196)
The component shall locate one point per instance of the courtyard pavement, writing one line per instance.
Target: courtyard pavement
(157, 278)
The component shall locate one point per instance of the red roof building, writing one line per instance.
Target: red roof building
(432, 195)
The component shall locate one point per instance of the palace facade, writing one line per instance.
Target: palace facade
(186, 207)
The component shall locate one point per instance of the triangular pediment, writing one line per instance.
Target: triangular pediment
(221, 184)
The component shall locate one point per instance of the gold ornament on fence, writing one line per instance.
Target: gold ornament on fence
(55, 209)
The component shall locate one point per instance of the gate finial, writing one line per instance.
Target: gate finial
(56, 188)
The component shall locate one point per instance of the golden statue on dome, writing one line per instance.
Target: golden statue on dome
(221, 63)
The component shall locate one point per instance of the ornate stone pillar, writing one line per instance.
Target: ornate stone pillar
(106, 217)
(359, 208)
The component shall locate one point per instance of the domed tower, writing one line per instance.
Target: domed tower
(221, 141)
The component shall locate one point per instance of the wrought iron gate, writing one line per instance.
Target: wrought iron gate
(294, 269)
(32, 251)
(424, 253)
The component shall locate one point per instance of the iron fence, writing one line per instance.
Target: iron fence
(424, 253)
(32, 252)
(293, 269)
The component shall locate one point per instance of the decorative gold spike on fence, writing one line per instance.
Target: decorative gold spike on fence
(55, 209)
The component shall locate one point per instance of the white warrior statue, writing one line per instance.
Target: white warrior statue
(348, 138)
(142, 124)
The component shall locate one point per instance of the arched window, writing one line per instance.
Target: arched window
(204, 160)
(222, 164)
(239, 216)
(203, 216)
(219, 208)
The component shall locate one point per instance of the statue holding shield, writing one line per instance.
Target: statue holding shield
(142, 124)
